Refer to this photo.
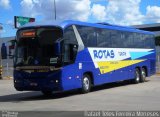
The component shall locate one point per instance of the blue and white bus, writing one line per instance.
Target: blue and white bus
(77, 55)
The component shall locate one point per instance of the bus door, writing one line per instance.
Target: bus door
(69, 53)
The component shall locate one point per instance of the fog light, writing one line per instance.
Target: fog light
(56, 81)
(17, 81)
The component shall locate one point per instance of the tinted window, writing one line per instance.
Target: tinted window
(129, 40)
(149, 41)
(98, 37)
(88, 35)
(103, 39)
(37, 46)
(70, 46)
(69, 36)
(95, 37)
(143, 41)
(114, 36)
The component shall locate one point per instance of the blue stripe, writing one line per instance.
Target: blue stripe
(136, 55)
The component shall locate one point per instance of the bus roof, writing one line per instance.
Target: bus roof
(64, 24)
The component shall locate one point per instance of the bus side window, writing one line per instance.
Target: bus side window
(70, 46)
(92, 39)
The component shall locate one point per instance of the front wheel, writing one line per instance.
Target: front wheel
(86, 83)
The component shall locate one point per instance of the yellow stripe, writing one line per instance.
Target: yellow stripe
(115, 65)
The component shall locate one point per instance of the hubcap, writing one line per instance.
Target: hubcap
(86, 83)
(143, 74)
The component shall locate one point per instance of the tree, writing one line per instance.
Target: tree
(157, 41)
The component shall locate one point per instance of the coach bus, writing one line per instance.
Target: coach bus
(77, 55)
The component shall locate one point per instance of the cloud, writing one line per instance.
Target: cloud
(121, 12)
(153, 14)
(10, 23)
(28, 8)
(124, 12)
(98, 11)
(5, 4)
(2, 32)
(66, 9)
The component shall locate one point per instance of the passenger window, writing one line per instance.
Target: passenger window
(88, 35)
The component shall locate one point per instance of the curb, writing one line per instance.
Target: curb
(157, 73)
(7, 78)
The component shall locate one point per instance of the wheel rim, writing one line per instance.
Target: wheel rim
(143, 74)
(86, 83)
(137, 76)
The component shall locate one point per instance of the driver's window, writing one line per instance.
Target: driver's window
(70, 46)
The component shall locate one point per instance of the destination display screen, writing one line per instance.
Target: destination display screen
(28, 34)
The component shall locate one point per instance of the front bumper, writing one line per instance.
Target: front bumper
(49, 81)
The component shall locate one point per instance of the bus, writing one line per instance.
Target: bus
(61, 56)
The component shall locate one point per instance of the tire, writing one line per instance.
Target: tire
(143, 75)
(86, 84)
(47, 93)
(137, 76)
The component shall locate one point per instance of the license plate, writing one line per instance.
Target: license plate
(33, 84)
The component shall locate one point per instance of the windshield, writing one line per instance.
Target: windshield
(37, 46)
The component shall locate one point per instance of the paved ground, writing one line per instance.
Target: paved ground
(117, 96)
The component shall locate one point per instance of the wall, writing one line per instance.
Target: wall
(7, 64)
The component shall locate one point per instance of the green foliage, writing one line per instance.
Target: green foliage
(157, 41)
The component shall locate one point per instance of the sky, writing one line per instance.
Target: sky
(119, 12)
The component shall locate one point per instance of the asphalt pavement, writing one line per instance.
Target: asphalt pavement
(109, 97)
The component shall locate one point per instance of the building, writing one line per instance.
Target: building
(7, 42)
(6, 64)
(150, 27)
(156, 29)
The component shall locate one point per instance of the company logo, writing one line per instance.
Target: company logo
(100, 54)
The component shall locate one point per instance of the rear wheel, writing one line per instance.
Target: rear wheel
(143, 75)
(86, 83)
(137, 76)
